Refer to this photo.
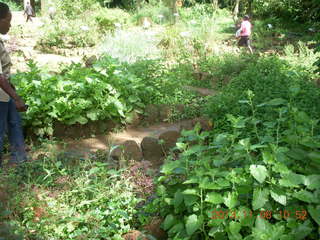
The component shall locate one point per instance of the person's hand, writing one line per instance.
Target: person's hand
(13, 87)
(20, 105)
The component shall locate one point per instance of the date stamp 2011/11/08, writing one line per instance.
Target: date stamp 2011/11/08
(266, 214)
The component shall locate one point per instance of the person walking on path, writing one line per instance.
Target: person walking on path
(245, 32)
(10, 102)
(29, 12)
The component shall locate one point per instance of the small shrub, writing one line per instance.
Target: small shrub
(250, 181)
(267, 78)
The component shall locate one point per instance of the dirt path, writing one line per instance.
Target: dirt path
(22, 39)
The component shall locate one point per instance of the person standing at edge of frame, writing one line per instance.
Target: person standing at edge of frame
(245, 32)
(10, 102)
(29, 12)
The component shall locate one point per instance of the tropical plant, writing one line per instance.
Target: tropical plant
(257, 180)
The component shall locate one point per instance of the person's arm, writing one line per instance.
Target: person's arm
(6, 86)
(242, 28)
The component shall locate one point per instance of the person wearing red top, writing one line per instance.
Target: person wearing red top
(245, 32)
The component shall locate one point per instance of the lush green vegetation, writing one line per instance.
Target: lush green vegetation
(261, 160)
(254, 176)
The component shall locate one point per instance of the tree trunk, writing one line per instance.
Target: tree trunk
(236, 11)
(250, 7)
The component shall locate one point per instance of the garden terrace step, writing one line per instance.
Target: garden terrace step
(140, 142)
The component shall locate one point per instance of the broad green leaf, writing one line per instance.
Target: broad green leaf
(169, 221)
(190, 200)
(314, 156)
(223, 182)
(246, 216)
(276, 102)
(292, 180)
(262, 225)
(312, 182)
(192, 224)
(193, 179)
(181, 146)
(280, 168)
(92, 116)
(190, 192)
(297, 153)
(214, 198)
(81, 120)
(231, 200)
(170, 166)
(215, 230)
(305, 196)
(178, 199)
(206, 183)
(278, 196)
(260, 197)
(315, 213)
(259, 172)
(302, 231)
(235, 228)
(302, 117)
(176, 228)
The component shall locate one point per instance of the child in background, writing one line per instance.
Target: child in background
(245, 32)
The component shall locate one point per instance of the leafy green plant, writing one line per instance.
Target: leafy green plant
(109, 90)
(267, 78)
(252, 181)
(13, 5)
(66, 33)
(131, 45)
(70, 198)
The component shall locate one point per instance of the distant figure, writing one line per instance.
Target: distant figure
(245, 32)
(146, 22)
(52, 12)
(29, 12)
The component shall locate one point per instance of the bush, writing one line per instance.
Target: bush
(13, 5)
(267, 78)
(252, 181)
(107, 18)
(131, 45)
(64, 33)
(108, 90)
(86, 29)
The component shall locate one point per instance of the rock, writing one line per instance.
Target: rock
(130, 150)
(179, 108)
(205, 123)
(187, 125)
(134, 235)
(170, 138)
(154, 229)
(165, 112)
(151, 149)
(152, 113)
